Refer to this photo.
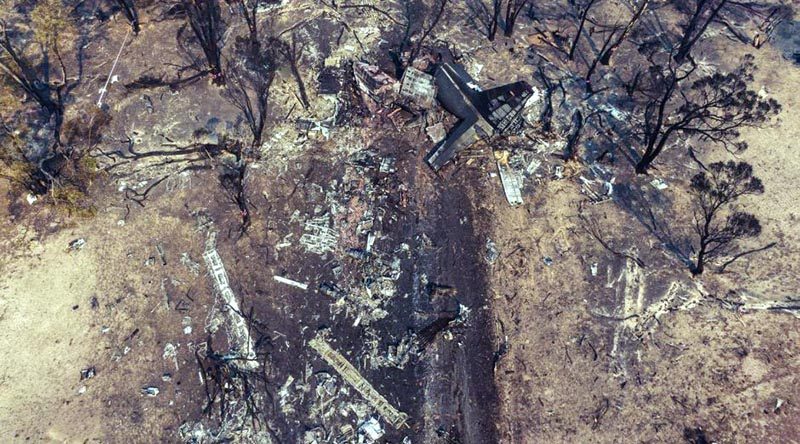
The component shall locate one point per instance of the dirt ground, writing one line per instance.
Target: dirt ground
(566, 340)
(48, 338)
(579, 369)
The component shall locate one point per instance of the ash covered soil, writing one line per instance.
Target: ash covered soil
(386, 260)
(480, 321)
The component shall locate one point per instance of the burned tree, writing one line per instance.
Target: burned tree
(248, 9)
(416, 31)
(701, 14)
(36, 85)
(129, 9)
(292, 51)
(17, 164)
(500, 14)
(37, 71)
(582, 16)
(251, 77)
(613, 35)
(601, 54)
(249, 81)
(713, 108)
(754, 22)
(497, 8)
(513, 9)
(716, 223)
(605, 57)
(204, 18)
(573, 139)
(546, 116)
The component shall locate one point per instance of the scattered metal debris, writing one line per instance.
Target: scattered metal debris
(187, 262)
(512, 184)
(597, 186)
(293, 283)
(659, 184)
(491, 252)
(319, 238)
(349, 373)
(88, 373)
(77, 244)
(150, 391)
(171, 352)
(418, 86)
(436, 133)
(374, 83)
(370, 431)
(387, 165)
(238, 332)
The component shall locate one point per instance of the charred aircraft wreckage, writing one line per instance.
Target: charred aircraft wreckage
(496, 111)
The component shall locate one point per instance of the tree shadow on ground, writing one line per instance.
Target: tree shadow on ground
(656, 212)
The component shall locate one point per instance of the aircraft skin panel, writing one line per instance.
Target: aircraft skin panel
(452, 95)
(482, 113)
(463, 135)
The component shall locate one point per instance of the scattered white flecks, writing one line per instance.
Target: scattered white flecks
(659, 184)
(77, 244)
(150, 391)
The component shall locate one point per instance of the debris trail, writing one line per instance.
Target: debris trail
(239, 334)
(351, 375)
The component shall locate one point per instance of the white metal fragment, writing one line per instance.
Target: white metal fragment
(319, 238)
(238, 333)
(512, 184)
(293, 283)
(349, 373)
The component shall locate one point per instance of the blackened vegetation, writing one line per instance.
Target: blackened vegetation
(292, 51)
(583, 14)
(131, 13)
(227, 386)
(712, 108)
(419, 23)
(248, 9)
(232, 178)
(37, 84)
(250, 78)
(571, 150)
(695, 436)
(718, 224)
(612, 36)
(513, 10)
(495, 18)
(39, 72)
(701, 13)
(494, 21)
(546, 116)
(149, 81)
(204, 19)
